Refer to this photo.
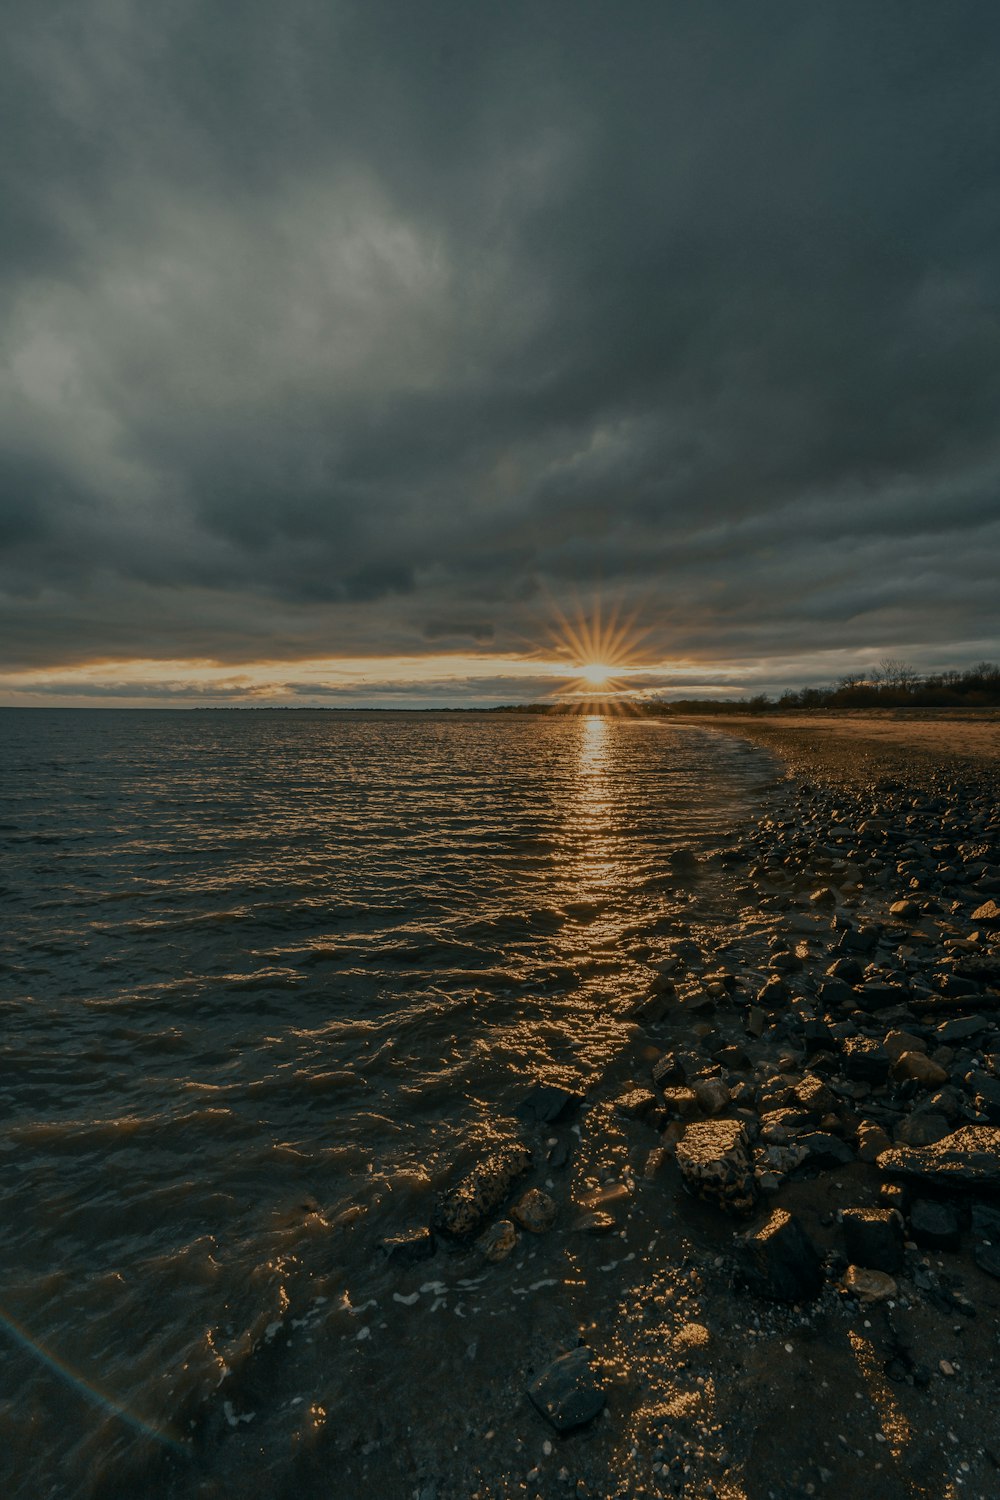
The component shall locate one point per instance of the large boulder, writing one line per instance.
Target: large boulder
(967, 1158)
(714, 1160)
(779, 1261)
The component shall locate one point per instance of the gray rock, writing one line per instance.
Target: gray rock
(498, 1241)
(824, 1150)
(823, 897)
(872, 1140)
(681, 1102)
(978, 968)
(862, 940)
(898, 1042)
(919, 1068)
(567, 1394)
(812, 1095)
(922, 1128)
(934, 1225)
(817, 1037)
(779, 1261)
(878, 997)
(648, 1009)
(960, 1028)
(833, 993)
(847, 970)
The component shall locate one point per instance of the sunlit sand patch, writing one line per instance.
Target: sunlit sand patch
(895, 1427)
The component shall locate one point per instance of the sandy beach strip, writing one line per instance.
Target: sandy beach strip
(843, 746)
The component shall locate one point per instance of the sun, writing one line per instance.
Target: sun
(599, 654)
(595, 672)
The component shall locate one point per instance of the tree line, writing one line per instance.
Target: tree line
(892, 684)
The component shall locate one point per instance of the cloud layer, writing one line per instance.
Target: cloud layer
(361, 330)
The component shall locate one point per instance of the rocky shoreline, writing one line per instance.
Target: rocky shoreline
(830, 1108)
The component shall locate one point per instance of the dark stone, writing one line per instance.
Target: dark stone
(567, 1394)
(683, 859)
(561, 1152)
(865, 1060)
(464, 1209)
(967, 1158)
(934, 1225)
(986, 1221)
(544, 1104)
(848, 970)
(960, 1028)
(877, 997)
(874, 1237)
(922, 1128)
(862, 940)
(774, 993)
(779, 1261)
(667, 1071)
(987, 1258)
(732, 1057)
(648, 1009)
(817, 1037)
(978, 968)
(985, 1092)
(825, 1150)
(408, 1248)
(635, 1104)
(833, 993)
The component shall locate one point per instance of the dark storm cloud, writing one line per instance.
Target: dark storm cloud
(356, 327)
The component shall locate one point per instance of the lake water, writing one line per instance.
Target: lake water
(267, 980)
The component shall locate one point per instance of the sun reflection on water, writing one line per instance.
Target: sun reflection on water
(596, 865)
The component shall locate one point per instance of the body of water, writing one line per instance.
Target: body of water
(267, 980)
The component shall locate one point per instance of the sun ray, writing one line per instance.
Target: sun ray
(600, 650)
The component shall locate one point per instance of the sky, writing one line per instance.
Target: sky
(348, 350)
